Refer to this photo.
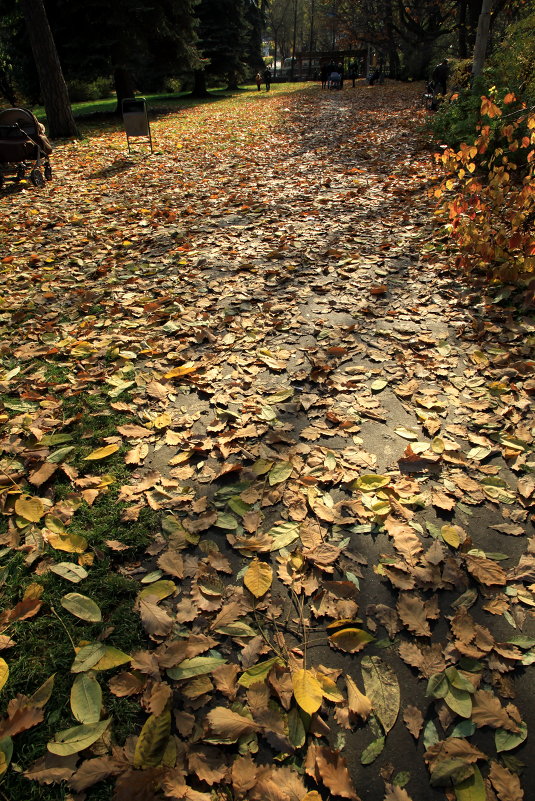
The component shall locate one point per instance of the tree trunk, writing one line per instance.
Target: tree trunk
(232, 81)
(124, 86)
(199, 86)
(482, 38)
(393, 55)
(53, 87)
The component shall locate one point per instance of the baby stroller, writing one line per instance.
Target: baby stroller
(23, 145)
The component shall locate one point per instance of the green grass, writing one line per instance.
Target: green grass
(44, 643)
(168, 101)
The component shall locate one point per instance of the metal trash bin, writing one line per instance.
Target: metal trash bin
(136, 120)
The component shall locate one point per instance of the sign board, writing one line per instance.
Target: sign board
(135, 119)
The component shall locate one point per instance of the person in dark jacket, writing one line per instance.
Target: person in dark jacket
(440, 77)
(267, 78)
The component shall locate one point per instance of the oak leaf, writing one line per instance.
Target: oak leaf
(412, 611)
(487, 711)
(506, 783)
(413, 720)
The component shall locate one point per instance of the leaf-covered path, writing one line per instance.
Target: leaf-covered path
(245, 401)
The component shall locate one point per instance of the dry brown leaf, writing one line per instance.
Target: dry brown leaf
(412, 611)
(243, 774)
(94, 770)
(325, 765)
(208, 763)
(452, 748)
(278, 784)
(41, 475)
(20, 717)
(229, 725)
(484, 570)
(126, 684)
(395, 793)
(429, 659)
(413, 720)
(506, 783)
(156, 621)
(358, 703)
(52, 768)
(160, 694)
(487, 711)
(171, 562)
(225, 679)
(138, 784)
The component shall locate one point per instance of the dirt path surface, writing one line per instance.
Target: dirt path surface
(335, 432)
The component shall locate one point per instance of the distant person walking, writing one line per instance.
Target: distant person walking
(258, 80)
(267, 78)
(440, 77)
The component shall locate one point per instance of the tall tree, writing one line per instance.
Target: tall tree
(224, 33)
(137, 42)
(53, 87)
(482, 39)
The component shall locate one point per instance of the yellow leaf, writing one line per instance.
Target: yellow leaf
(350, 640)
(184, 369)
(72, 543)
(452, 535)
(152, 740)
(111, 658)
(4, 672)
(258, 578)
(162, 421)
(329, 688)
(29, 508)
(33, 592)
(307, 691)
(101, 453)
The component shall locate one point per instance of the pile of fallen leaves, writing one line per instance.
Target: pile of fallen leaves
(336, 436)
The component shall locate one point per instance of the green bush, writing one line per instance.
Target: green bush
(513, 60)
(456, 118)
(82, 91)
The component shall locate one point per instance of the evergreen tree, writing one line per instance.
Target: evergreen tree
(227, 40)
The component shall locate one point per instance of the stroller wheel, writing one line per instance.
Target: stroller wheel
(21, 172)
(36, 177)
(48, 172)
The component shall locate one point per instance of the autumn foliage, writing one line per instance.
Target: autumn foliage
(490, 202)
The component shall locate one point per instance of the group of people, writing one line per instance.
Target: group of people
(266, 77)
(332, 76)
